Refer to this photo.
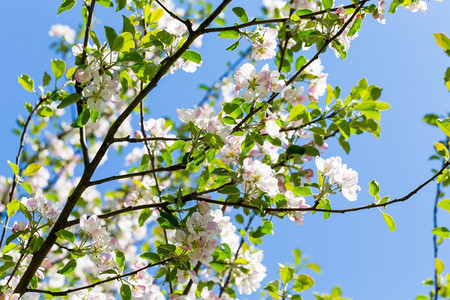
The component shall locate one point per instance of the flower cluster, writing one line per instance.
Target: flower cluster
(102, 241)
(258, 85)
(199, 236)
(102, 88)
(338, 173)
(296, 202)
(265, 43)
(46, 208)
(205, 119)
(259, 175)
(63, 31)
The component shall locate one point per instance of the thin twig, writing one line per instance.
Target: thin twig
(272, 21)
(129, 139)
(130, 175)
(19, 154)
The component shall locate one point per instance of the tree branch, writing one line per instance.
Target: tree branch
(273, 21)
(129, 139)
(187, 23)
(66, 292)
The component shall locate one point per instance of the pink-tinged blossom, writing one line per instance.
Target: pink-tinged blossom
(84, 76)
(199, 237)
(21, 225)
(101, 89)
(378, 13)
(90, 225)
(259, 175)
(296, 202)
(338, 173)
(295, 95)
(63, 31)
(265, 43)
(250, 281)
(258, 85)
(271, 127)
(317, 85)
(416, 5)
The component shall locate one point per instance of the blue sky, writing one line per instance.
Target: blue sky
(355, 250)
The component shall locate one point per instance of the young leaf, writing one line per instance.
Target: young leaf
(441, 232)
(444, 125)
(31, 169)
(443, 41)
(66, 235)
(110, 34)
(66, 5)
(242, 15)
(192, 56)
(68, 268)
(58, 67)
(120, 4)
(14, 167)
(70, 99)
(374, 187)
(125, 292)
(26, 82)
(389, 221)
(229, 34)
(303, 282)
(123, 43)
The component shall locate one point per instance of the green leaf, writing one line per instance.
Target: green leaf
(192, 56)
(441, 150)
(154, 257)
(229, 34)
(441, 232)
(302, 191)
(28, 187)
(374, 188)
(45, 111)
(68, 268)
(105, 3)
(295, 149)
(233, 46)
(120, 258)
(127, 26)
(389, 221)
(12, 207)
(145, 214)
(156, 15)
(66, 5)
(8, 247)
(303, 282)
(111, 35)
(356, 26)
(327, 4)
(26, 82)
(444, 125)
(369, 109)
(58, 67)
(70, 99)
(438, 265)
(242, 15)
(123, 43)
(120, 4)
(229, 190)
(31, 169)
(297, 112)
(444, 204)
(125, 292)
(443, 41)
(167, 156)
(145, 71)
(300, 62)
(344, 128)
(66, 235)
(287, 274)
(14, 167)
(46, 79)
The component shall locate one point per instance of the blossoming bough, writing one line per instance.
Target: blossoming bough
(249, 147)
